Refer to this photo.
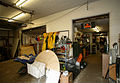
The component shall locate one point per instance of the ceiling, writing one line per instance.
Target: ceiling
(41, 8)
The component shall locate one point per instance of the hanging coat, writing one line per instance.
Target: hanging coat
(44, 42)
(51, 40)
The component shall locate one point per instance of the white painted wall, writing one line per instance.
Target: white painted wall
(63, 20)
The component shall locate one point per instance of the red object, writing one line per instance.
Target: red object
(87, 25)
(87, 53)
(79, 58)
(38, 39)
(63, 47)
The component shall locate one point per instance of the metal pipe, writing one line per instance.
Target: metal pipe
(16, 20)
(13, 6)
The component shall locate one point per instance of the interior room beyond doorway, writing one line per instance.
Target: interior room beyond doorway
(91, 35)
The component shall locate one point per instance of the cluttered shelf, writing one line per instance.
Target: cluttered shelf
(62, 51)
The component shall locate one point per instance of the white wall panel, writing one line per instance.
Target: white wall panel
(63, 20)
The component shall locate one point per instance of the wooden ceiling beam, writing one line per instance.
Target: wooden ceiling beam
(9, 25)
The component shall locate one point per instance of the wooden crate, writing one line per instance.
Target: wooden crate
(66, 79)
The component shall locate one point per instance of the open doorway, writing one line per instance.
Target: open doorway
(91, 39)
(93, 32)
(33, 37)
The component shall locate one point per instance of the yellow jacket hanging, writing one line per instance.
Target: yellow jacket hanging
(44, 42)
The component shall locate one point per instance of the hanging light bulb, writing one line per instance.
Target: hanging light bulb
(96, 29)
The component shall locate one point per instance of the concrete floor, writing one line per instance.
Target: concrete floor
(91, 74)
(93, 71)
(9, 73)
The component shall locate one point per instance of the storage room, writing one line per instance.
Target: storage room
(59, 41)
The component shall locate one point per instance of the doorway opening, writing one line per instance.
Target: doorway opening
(33, 37)
(91, 39)
(92, 33)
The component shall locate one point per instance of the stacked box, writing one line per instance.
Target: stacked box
(67, 79)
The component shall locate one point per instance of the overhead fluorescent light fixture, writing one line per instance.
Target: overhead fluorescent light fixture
(24, 3)
(96, 29)
(20, 3)
(10, 20)
(16, 17)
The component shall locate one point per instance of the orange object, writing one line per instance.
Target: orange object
(79, 58)
(87, 25)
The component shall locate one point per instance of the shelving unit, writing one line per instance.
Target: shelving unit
(94, 49)
(81, 42)
(62, 51)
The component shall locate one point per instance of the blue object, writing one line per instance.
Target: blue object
(24, 61)
(36, 38)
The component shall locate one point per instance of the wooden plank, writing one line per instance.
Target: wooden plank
(50, 59)
(16, 41)
(14, 48)
(112, 71)
(105, 64)
(27, 50)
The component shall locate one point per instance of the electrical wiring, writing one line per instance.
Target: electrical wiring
(65, 13)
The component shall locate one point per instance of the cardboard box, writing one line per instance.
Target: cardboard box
(37, 69)
(66, 79)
